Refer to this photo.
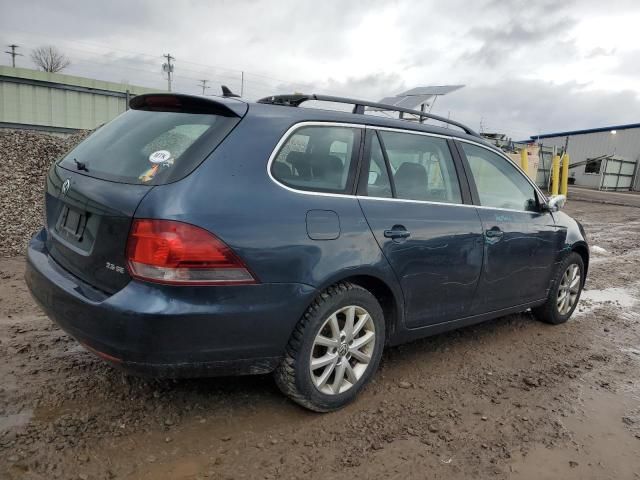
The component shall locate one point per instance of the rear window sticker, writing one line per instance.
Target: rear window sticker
(160, 156)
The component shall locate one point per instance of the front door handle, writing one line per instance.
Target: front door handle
(398, 231)
(494, 232)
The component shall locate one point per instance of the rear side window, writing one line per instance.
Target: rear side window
(422, 167)
(318, 159)
(149, 147)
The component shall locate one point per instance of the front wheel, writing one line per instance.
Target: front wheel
(564, 293)
(334, 350)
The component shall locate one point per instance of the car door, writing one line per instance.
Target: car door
(520, 238)
(412, 198)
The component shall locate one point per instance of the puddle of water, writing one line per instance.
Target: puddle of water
(617, 296)
(15, 420)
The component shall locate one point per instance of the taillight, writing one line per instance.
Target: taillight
(166, 251)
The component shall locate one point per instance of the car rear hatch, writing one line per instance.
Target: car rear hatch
(93, 192)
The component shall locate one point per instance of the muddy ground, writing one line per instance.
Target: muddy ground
(509, 398)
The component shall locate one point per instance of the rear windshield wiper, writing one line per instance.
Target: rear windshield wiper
(81, 165)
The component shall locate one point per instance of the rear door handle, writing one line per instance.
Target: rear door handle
(398, 231)
(494, 232)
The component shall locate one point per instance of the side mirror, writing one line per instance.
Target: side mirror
(556, 203)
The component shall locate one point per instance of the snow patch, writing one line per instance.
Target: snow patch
(596, 250)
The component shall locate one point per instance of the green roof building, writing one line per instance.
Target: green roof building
(60, 103)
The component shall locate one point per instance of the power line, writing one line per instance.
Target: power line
(203, 84)
(167, 67)
(304, 85)
(249, 84)
(13, 54)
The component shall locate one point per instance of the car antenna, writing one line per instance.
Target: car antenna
(226, 92)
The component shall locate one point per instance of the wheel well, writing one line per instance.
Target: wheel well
(584, 253)
(383, 294)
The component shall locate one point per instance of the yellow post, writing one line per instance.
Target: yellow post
(524, 161)
(564, 185)
(555, 174)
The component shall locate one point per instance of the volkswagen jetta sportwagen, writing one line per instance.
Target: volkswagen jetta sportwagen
(200, 236)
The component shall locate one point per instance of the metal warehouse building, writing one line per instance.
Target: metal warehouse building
(59, 103)
(602, 158)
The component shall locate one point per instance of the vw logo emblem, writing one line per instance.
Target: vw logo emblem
(65, 186)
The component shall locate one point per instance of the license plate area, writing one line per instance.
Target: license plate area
(71, 224)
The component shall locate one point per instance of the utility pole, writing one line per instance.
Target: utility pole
(203, 84)
(241, 83)
(167, 67)
(13, 54)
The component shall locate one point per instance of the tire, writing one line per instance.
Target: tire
(320, 337)
(553, 311)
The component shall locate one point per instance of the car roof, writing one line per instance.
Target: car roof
(288, 114)
(311, 114)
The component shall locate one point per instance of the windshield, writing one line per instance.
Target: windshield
(149, 147)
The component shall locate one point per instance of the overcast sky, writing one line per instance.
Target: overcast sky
(529, 66)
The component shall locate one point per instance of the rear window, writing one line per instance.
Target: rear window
(149, 147)
(317, 159)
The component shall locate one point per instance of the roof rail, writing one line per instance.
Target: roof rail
(358, 107)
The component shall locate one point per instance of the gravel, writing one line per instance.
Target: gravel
(25, 157)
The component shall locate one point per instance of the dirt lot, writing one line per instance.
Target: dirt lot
(509, 398)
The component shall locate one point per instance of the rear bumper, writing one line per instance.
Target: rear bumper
(169, 331)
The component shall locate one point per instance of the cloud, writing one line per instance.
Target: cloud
(519, 108)
(628, 64)
(499, 44)
(600, 52)
(512, 55)
(527, 107)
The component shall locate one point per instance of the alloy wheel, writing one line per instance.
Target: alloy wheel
(569, 289)
(342, 350)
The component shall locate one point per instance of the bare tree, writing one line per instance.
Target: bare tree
(50, 59)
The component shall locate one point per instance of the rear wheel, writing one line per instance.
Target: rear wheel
(564, 292)
(334, 350)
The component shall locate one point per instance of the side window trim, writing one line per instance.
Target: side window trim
(360, 158)
(392, 181)
(363, 164)
(473, 189)
(541, 199)
(461, 173)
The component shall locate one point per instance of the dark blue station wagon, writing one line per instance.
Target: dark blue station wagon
(196, 236)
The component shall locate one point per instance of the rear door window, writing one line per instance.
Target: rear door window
(149, 147)
(422, 167)
(318, 158)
